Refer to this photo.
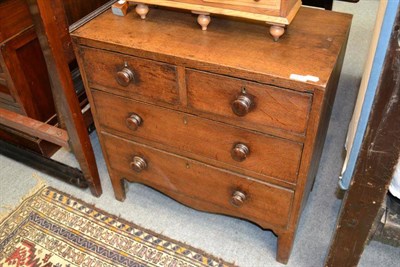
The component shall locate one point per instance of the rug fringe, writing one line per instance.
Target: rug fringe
(40, 183)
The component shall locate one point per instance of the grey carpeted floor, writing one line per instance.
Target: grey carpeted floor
(232, 239)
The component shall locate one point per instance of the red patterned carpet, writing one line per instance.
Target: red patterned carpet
(53, 229)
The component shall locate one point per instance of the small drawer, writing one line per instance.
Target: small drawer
(131, 76)
(268, 4)
(236, 195)
(254, 105)
(240, 148)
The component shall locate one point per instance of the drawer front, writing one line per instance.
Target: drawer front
(251, 104)
(163, 170)
(266, 155)
(267, 4)
(131, 77)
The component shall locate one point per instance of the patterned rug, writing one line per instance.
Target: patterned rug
(51, 228)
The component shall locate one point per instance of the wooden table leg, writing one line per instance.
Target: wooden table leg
(118, 185)
(63, 88)
(285, 244)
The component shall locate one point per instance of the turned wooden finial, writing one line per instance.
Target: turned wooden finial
(276, 31)
(142, 10)
(204, 20)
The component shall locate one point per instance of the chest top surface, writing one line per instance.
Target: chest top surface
(311, 45)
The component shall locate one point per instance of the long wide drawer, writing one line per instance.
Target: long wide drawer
(266, 155)
(268, 4)
(131, 76)
(251, 104)
(237, 195)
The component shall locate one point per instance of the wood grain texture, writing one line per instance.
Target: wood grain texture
(274, 107)
(267, 4)
(305, 49)
(67, 12)
(265, 203)
(26, 88)
(182, 86)
(285, 245)
(286, 6)
(280, 112)
(324, 120)
(26, 141)
(248, 6)
(24, 83)
(11, 106)
(14, 18)
(269, 15)
(269, 156)
(5, 92)
(313, 147)
(152, 80)
(77, 9)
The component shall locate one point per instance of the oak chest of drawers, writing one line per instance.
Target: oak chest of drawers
(223, 121)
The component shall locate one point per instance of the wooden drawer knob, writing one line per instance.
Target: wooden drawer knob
(242, 105)
(138, 164)
(240, 152)
(133, 122)
(238, 198)
(125, 76)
